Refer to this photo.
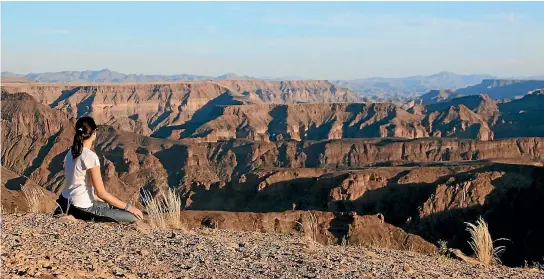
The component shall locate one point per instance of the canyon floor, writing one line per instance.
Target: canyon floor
(42, 246)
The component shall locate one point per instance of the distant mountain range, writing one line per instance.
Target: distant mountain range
(378, 88)
(502, 90)
(410, 86)
(107, 75)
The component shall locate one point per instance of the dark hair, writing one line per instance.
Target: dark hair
(85, 128)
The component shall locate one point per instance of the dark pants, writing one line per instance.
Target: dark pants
(100, 211)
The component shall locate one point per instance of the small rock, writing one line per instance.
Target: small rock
(118, 272)
(46, 264)
(459, 255)
(68, 218)
(143, 252)
(407, 268)
(22, 271)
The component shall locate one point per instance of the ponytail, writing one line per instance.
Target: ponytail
(85, 127)
(77, 146)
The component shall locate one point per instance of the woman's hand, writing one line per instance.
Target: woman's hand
(136, 212)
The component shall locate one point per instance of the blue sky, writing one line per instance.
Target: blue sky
(324, 40)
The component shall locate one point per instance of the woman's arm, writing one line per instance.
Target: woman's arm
(101, 192)
(96, 198)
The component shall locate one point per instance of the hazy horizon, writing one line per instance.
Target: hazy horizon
(317, 40)
(241, 75)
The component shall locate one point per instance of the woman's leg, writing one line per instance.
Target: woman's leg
(102, 209)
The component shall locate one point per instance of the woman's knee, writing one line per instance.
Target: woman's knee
(125, 217)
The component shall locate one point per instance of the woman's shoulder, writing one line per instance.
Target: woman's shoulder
(89, 157)
(87, 152)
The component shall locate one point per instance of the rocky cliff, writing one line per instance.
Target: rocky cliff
(208, 111)
(33, 146)
(307, 122)
(474, 117)
(144, 108)
(34, 137)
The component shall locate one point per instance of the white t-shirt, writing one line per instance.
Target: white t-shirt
(78, 188)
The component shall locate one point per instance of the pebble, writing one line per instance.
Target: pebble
(143, 252)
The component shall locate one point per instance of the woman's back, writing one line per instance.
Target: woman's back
(78, 187)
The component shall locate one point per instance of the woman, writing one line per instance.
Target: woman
(82, 171)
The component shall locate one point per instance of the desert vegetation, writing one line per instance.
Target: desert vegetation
(309, 226)
(164, 209)
(34, 198)
(482, 244)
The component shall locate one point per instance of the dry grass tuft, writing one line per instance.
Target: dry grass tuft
(482, 244)
(534, 266)
(34, 198)
(310, 227)
(164, 210)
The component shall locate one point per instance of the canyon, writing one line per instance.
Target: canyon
(253, 155)
(209, 111)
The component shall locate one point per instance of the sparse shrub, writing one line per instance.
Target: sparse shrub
(482, 243)
(164, 210)
(443, 251)
(34, 198)
(535, 265)
(442, 247)
(309, 227)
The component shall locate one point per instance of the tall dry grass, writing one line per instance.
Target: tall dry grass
(164, 210)
(310, 227)
(34, 198)
(482, 243)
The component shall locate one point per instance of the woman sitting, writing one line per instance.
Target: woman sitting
(83, 180)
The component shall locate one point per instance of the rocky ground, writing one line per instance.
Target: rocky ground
(41, 246)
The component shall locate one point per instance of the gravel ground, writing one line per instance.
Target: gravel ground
(41, 246)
